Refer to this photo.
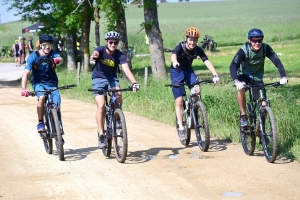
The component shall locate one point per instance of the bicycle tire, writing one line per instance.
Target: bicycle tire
(120, 136)
(48, 143)
(58, 138)
(107, 150)
(201, 126)
(269, 137)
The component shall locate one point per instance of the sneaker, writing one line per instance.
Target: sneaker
(40, 127)
(244, 120)
(101, 141)
(182, 134)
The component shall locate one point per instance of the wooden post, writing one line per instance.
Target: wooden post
(78, 73)
(146, 76)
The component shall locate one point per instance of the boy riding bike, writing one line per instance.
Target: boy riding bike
(107, 59)
(247, 67)
(42, 64)
(182, 71)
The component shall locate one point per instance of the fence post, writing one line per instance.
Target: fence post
(78, 73)
(279, 37)
(146, 76)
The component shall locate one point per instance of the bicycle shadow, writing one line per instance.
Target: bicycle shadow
(143, 156)
(279, 159)
(78, 154)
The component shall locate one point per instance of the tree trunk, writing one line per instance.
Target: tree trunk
(155, 39)
(122, 29)
(97, 25)
(85, 37)
(71, 51)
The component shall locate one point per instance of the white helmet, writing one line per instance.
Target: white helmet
(112, 35)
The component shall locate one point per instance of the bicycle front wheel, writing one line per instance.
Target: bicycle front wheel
(120, 136)
(47, 141)
(57, 132)
(269, 138)
(201, 126)
(247, 135)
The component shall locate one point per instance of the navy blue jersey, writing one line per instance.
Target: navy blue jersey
(107, 65)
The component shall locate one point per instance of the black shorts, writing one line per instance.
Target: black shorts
(248, 80)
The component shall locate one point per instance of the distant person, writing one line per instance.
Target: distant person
(24, 49)
(107, 60)
(182, 71)
(30, 45)
(16, 49)
(41, 64)
(247, 67)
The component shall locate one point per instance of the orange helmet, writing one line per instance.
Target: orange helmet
(192, 32)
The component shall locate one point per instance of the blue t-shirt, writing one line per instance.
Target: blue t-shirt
(43, 69)
(106, 65)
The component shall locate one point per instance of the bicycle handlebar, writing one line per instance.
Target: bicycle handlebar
(102, 91)
(33, 93)
(191, 84)
(274, 84)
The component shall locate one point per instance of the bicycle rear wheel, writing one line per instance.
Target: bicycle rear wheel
(269, 138)
(201, 126)
(120, 136)
(247, 135)
(107, 150)
(47, 141)
(57, 132)
(186, 128)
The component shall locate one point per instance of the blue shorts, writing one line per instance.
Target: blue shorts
(55, 93)
(181, 76)
(102, 83)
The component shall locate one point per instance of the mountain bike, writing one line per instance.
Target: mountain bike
(115, 125)
(54, 128)
(261, 123)
(194, 116)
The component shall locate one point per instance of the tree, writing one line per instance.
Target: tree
(85, 34)
(151, 26)
(58, 19)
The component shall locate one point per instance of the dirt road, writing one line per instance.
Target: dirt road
(157, 166)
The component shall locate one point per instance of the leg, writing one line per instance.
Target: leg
(178, 111)
(100, 101)
(241, 98)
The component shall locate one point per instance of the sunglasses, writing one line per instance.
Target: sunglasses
(115, 43)
(256, 41)
(47, 45)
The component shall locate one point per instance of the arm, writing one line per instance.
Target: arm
(276, 61)
(235, 64)
(128, 73)
(211, 68)
(25, 78)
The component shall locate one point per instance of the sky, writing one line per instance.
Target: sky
(7, 16)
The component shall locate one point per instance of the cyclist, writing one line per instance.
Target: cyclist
(16, 49)
(247, 67)
(42, 64)
(107, 59)
(182, 71)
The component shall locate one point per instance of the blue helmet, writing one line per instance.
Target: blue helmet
(255, 32)
(46, 38)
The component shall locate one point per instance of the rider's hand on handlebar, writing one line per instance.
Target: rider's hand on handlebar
(175, 64)
(56, 60)
(239, 85)
(135, 87)
(216, 79)
(283, 81)
(24, 92)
